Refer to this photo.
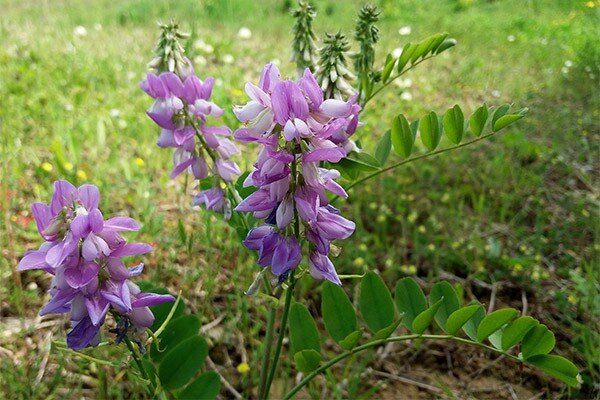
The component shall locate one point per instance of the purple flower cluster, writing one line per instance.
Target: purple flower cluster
(298, 130)
(181, 108)
(83, 251)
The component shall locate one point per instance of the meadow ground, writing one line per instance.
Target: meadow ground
(515, 218)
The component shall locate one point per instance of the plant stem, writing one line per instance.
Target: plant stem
(383, 86)
(281, 335)
(289, 294)
(139, 364)
(409, 160)
(267, 346)
(375, 343)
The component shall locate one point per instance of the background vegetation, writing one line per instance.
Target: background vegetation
(514, 218)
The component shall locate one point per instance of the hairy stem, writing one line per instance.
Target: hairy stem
(379, 342)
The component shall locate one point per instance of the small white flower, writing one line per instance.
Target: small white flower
(406, 96)
(275, 61)
(114, 112)
(80, 31)
(496, 93)
(397, 52)
(205, 47)
(131, 75)
(218, 82)
(244, 33)
(564, 70)
(403, 83)
(228, 59)
(405, 30)
(199, 60)
(511, 38)
(568, 63)
(68, 106)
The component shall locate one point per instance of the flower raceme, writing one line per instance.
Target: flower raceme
(181, 109)
(84, 253)
(298, 129)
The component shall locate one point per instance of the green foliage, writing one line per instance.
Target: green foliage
(182, 362)
(206, 386)
(376, 305)
(423, 320)
(445, 292)
(176, 331)
(305, 340)
(338, 313)
(501, 327)
(410, 300)
(538, 340)
(403, 137)
(454, 124)
(460, 317)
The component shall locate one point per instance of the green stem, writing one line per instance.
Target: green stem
(379, 342)
(234, 195)
(267, 345)
(289, 293)
(139, 364)
(407, 161)
(281, 335)
(383, 86)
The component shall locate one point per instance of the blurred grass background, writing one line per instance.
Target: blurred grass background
(519, 212)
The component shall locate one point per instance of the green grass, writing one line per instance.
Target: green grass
(521, 209)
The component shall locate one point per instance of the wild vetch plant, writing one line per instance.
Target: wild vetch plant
(307, 131)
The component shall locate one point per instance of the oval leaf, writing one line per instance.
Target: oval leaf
(386, 332)
(516, 331)
(338, 314)
(444, 290)
(376, 305)
(303, 330)
(478, 120)
(182, 362)
(407, 52)
(307, 360)
(506, 120)
(390, 61)
(176, 331)
(410, 300)
(556, 366)
(470, 327)
(430, 131)
(382, 151)
(459, 318)
(206, 386)
(423, 320)
(445, 45)
(499, 113)
(350, 341)
(494, 321)
(539, 340)
(402, 136)
(454, 124)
